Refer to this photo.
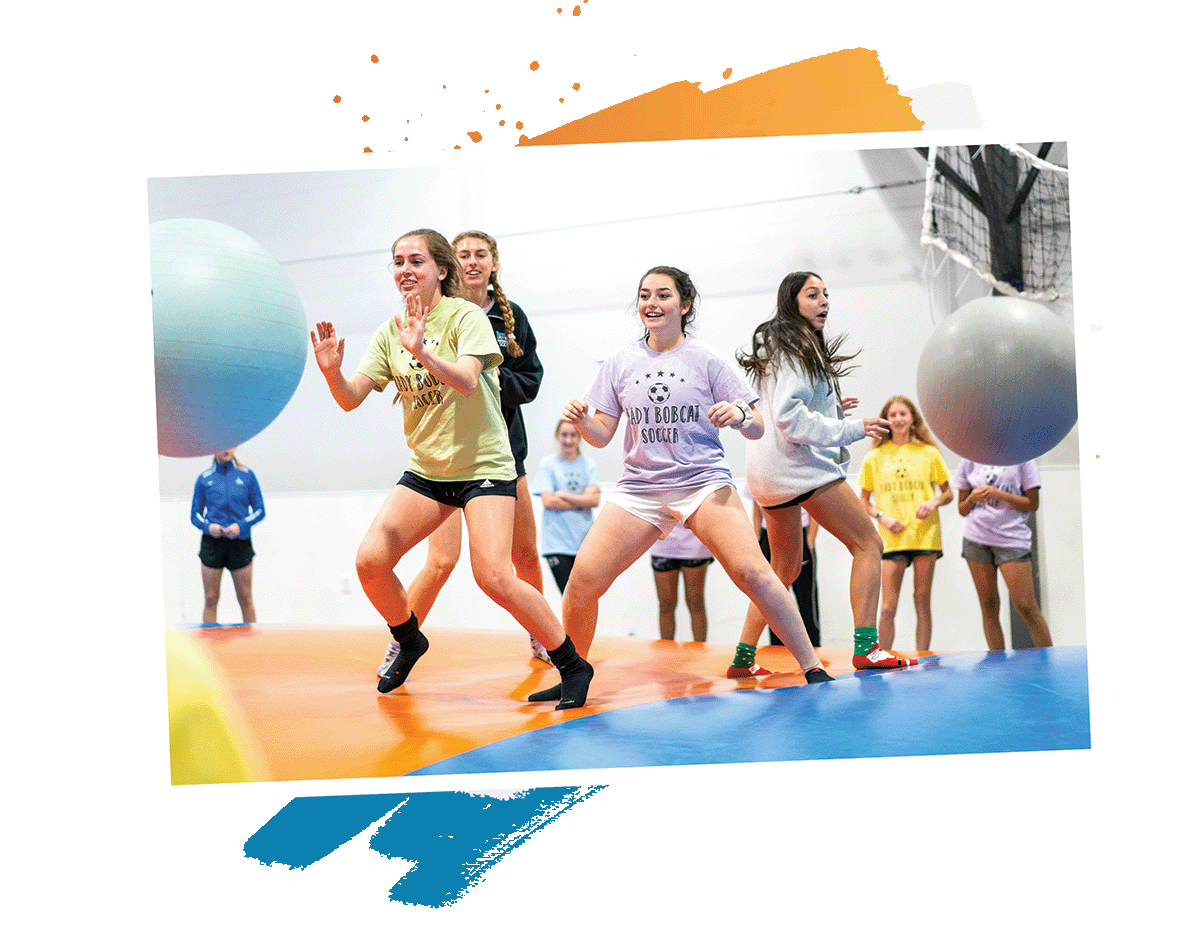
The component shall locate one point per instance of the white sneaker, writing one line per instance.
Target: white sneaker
(539, 652)
(393, 651)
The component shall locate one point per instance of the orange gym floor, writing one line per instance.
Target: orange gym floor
(305, 704)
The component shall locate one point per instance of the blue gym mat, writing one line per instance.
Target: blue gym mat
(994, 702)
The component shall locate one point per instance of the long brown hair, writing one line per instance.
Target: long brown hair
(789, 337)
(920, 431)
(514, 349)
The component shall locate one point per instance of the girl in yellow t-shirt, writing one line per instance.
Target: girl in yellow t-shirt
(907, 477)
(441, 353)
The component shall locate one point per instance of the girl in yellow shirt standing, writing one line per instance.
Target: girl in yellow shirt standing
(907, 477)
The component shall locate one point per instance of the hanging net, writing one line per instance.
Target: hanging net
(1004, 213)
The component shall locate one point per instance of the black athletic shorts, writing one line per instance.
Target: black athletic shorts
(803, 497)
(908, 555)
(671, 564)
(457, 492)
(225, 553)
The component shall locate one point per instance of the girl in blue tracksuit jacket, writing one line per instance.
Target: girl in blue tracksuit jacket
(226, 503)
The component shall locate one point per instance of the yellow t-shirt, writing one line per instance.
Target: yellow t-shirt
(902, 476)
(450, 437)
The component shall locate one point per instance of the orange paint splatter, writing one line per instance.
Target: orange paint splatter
(374, 59)
(575, 12)
(476, 137)
(574, 86)
(497, 106)
(533, 65)
(560, 99)
(368, 151)
(845, 91)
(725, 74)
(501, 122)
(365, 118)
(337, 98)
(520, 125)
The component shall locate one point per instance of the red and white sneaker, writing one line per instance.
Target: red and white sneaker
(743, 672)
(880, 659)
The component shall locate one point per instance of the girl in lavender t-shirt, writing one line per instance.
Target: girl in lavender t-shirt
(675, 394)
(997, 502)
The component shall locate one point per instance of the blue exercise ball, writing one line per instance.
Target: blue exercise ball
(230, 336)
(996, 380)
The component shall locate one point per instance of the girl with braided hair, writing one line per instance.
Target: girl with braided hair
(478, 259)
(802, 460)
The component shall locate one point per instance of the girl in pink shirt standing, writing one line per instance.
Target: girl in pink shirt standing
(997, 503)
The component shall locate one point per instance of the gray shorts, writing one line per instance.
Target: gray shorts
(994, 556)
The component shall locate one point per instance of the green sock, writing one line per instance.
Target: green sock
(864, 640)
(743, 658)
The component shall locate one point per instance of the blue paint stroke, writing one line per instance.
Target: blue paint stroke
(452, 838)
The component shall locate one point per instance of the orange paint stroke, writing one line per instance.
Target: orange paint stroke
(844, 91)
(725, 74)
(476, 137)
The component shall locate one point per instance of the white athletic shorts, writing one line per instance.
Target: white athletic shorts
(664, 509)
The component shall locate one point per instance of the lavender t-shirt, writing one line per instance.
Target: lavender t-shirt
(997, 524)
(669, 441)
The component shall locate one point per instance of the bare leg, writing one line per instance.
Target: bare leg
(613, 544)
(241, 586)
(693, 594)
(722, 526)
(983, 575)
(445, 545)
(922, 599)
(211, 580)
(891, 579)
(524, 546)
(405, 519)
(667, 587)
(489, 538)
(837, 509)
(1018, 577)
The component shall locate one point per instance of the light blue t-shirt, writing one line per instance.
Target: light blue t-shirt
(669, 441)
(563, 532)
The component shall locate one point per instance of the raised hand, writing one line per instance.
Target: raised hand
(412, 329)
(327, 348)
(877, 427)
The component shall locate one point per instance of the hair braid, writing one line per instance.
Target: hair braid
(514, 349)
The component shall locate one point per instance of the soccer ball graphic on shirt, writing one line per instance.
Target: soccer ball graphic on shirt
(659, 392)
(415, 364)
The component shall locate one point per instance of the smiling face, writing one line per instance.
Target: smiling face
(475, 257)
(660, 308)
(813, 302)
(900, 420)
(415, 270)
(568, 441)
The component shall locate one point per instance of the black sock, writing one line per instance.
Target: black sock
(576, 675)
(413, 645)
(817, 674)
